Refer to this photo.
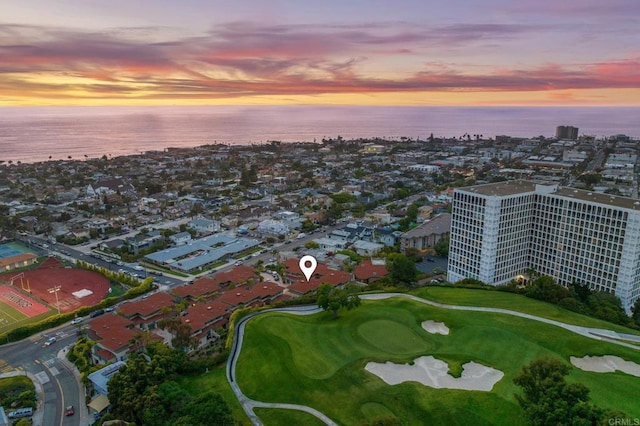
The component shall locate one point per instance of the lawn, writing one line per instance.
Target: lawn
(319, 362)
(275, 416)
(514, 302)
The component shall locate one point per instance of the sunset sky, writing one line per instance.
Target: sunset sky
(360, 52)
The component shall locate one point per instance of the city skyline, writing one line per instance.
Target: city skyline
(281, 52)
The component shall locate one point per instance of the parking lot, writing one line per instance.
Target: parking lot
(433, 264)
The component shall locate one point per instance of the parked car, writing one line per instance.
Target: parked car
(97, 313)
(20, 413)
(69, 411)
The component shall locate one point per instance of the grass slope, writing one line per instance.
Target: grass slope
(319, 362)
(215, 381)
(514, 302)
(275, 416)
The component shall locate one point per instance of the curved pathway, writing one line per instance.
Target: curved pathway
(249, 404)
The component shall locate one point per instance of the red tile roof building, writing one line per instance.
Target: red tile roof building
(322, 274)
(113, 335)
(146, 313)
(210, 287)
(204, 318)
(368, 271)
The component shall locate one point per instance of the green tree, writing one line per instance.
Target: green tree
(442, 246)
(402, 270)
(311, 245)
(181, 333)
(636, 312)
(545, 288)
(548, 399)
(332, 298)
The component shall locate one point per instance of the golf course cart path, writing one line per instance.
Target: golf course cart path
(248, 404)
(593, 333)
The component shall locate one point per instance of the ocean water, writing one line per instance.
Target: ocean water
(30, 134)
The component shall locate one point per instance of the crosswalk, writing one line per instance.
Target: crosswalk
(6, 368)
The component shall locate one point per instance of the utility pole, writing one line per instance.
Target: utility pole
(55, 290)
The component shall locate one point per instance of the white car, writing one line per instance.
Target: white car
(76, 321)
(50, 341)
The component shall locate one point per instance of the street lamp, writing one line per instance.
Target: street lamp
(55, 290)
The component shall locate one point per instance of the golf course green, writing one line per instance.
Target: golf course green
(319, 361)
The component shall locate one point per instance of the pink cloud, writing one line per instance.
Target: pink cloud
(251, 59)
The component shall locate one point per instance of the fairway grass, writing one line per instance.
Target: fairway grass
(319, 362)
(514, 302)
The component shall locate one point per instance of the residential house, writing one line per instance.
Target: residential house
(204, 226)
(387, 236)
(100, 379)
(370, 270)
(180, 238)
(366, 248)
(141, 242)
(273, 227)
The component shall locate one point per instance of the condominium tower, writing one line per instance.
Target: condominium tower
(567, 132)
(501, 229)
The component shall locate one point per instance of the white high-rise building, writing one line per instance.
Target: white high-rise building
(499, 230)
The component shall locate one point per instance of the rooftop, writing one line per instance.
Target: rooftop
(596, 197)
(501, 189)
(202, 314)
(145, 307)
(520, 186)
(438, 225)
(112, 331)
(368, 269)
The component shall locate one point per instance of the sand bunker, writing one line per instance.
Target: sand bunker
(435, 327)
(434, 373)
(606, 364)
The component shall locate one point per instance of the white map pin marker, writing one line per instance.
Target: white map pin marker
(308, 270)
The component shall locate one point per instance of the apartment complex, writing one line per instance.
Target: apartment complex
(567, 132)
(499, 230)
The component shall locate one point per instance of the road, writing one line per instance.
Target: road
(249, 404)
(60, 386)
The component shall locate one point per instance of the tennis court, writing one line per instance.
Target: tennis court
(12, 249)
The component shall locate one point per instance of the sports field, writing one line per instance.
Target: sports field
(319, 362)
(76, 287)
(18, 308)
